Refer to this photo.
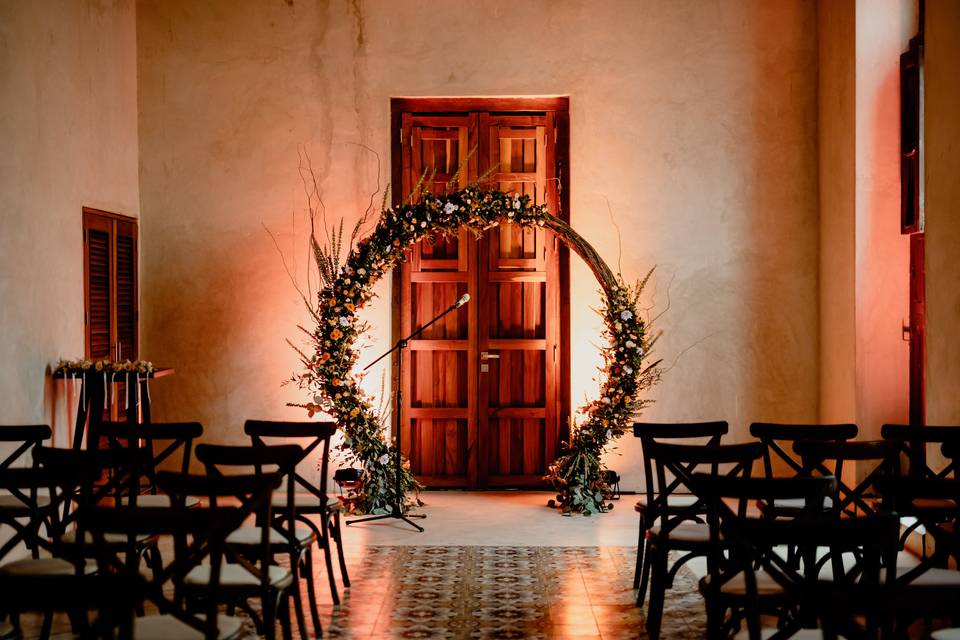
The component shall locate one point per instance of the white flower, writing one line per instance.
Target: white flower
(631, 344)
(609, 434)
(449, 208)
(384, 459)
(362, 271)
(344, 322)
(628, 369)
(606, 400)
(423, 223)
(516, 202)
(626, 314)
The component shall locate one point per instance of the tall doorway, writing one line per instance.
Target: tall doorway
(486, 390)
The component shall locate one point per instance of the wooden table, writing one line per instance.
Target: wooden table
(93, 392)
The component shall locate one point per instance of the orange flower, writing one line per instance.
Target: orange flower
(349, 306)
(336, 334)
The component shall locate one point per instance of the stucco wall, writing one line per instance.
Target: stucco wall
(697, 120)
(837, 191)
(942, 140)
(68, 122)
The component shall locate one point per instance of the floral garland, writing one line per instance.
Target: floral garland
(74, 367)
(332, 386)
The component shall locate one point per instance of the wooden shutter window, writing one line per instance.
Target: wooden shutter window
(110, 285)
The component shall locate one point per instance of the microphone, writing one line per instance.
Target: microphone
(462, 301)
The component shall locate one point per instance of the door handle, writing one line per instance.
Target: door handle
(484, 355)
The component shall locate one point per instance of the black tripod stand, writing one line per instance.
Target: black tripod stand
(397, 510)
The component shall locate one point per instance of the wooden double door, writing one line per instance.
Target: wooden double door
(486, 390)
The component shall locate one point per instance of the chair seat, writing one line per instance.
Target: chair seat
(933, 504)
(737, 585)
(70, 537)
(168, 627)
(302, 500)
(236, 576)
(11, 504)
(946, 634)
(44, 567)
(793, 504)
(251, 536)
(802, 634)
(673, 500)
(686, 533)
(148, 501)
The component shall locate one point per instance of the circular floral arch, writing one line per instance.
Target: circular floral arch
(577, 475)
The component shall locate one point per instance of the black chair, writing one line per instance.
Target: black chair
(25, 438)
(845, 577)
(778, 439)
(310, 498)
(912, 441)
(683, 529)
(282, 535)
(199, 535)
(930, 589)
(877, 458)
(651, 503)
(48, 584)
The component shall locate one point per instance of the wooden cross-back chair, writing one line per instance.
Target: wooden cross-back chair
(282, 535)
(199, 535)
(653, 501)
(310, 498)
(778, 439)
(117, 475)
(51, 583)
(828, 457)
(912, 442)
(23, 438)
(845, 579)
(683, 528)
(169, 443)
(931, 588)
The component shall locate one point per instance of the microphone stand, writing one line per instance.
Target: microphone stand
(402, 343)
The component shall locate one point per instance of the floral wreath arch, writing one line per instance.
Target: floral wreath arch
(577, 475)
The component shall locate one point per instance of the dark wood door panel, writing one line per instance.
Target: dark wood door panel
(481, 387)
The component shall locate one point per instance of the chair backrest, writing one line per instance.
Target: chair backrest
(199, 534)
(317, 436)
(828, 458)
(650, 432)
(860, 557)
(173, 440)
(681, 461)
(912, 440)
(773, 434)
(25, 438)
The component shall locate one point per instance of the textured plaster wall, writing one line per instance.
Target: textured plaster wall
(864, 261)
(695, 120)
(837, 190)
(883, 30)
(942, 144)
(68, 125)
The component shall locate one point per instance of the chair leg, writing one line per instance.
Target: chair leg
(641, 543)
(312, 593)
(285, 626)
(328, 559)
(343, 563)
(270, 606)
(644, 576)
(47, 624)
(658, 583)
(297, 599)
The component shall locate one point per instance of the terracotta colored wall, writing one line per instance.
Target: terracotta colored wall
(68, 122)
(696, 120)
(942, 146)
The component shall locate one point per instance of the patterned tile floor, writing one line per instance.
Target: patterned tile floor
(461, 592)
(466, 592)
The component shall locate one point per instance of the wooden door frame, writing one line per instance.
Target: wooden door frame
(439, 106)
